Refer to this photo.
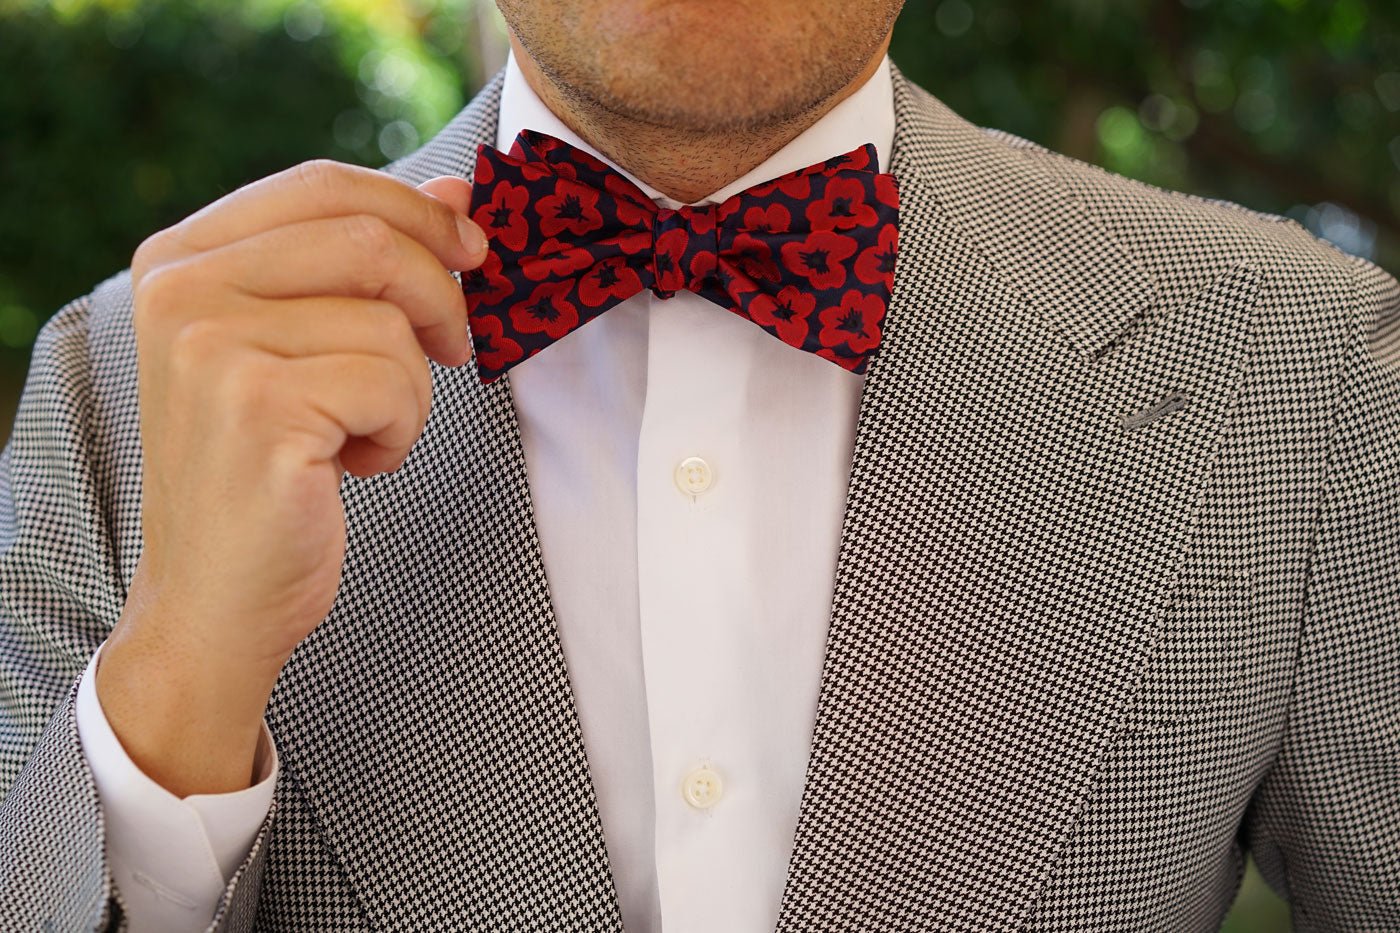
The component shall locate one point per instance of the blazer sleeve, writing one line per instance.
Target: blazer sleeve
(60, 593)
(1324, 825)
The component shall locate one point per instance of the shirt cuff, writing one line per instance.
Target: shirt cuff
(182, 851)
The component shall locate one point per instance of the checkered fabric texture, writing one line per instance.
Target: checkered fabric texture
(1118, 599)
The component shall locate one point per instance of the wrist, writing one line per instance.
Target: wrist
(190, 719)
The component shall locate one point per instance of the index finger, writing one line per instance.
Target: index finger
(325, 188)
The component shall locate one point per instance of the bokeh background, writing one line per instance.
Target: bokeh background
(118, 117)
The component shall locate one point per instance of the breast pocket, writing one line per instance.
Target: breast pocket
(1200, 655)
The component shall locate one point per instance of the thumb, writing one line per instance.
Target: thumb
(454, 191)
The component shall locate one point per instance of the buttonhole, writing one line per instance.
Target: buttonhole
(1164, 406)
(162, 890)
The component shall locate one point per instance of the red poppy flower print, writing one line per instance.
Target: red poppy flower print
(630, 242)
(700, 220)
(855, 160)
(728, 208)
(841, 207)
(548, 310)
(770, 218)
(503, 217)
(485, 284)
(556, 258)
(787, 313)
(541, 144)
(809, 256)
(530, 168)
(740, 288)
(493, 349)
(753, 257)
(820, 258)
(609, 282)
(851, 363)
(855, 322)
(887, 190)
(634, 209)
(571, 209)
(702, 266)
(666, 260)
(673, 241)
(485, 172)
(557, 152)
(588, 161)
(534, 171)
(875, 264)
(536, 153)
(795, 185)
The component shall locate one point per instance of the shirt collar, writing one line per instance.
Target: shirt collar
(865, 116)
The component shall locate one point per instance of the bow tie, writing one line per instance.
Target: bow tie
(808, 256)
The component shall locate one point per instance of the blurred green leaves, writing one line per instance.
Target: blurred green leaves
(1287, 106)
(122, 116)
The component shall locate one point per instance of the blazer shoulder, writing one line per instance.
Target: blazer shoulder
(1130, 195)
(1187, 239)
(111, 331)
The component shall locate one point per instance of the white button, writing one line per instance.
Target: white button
(694, 476)
(702, 788)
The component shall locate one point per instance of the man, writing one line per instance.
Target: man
(1077, 583)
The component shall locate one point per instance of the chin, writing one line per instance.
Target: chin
(690, 63)
(681, 18)
(700, 65)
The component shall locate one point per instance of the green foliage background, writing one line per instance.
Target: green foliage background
(118, 117)
(1288, 106)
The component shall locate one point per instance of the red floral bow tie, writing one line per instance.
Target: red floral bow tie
(809, 256)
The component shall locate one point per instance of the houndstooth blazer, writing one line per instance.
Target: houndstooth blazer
(1117, 600)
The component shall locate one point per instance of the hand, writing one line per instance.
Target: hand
(281, 335)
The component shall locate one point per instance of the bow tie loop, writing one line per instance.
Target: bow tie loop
(686, 246)
(809, 256)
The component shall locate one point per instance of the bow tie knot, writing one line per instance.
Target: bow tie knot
(686, 249)
(809, 257)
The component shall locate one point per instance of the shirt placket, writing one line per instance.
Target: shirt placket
(693, 581)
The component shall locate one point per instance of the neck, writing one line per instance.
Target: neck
(681, 165)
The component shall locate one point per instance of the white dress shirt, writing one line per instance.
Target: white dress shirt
(688, 473)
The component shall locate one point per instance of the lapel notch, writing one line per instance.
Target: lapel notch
(1047, 244)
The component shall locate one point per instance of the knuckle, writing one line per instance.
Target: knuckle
(455, 297)
(423, 376)
(416, 386)
(158, 292)
(393, 331)
(145, 256)
(371, 237)
(194, 345)
(246, 382)
(390, 327)
(395, 386)
(420, 375)
(320, 176)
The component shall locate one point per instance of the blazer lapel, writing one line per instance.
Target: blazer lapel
(429, 720)
(1009, 539)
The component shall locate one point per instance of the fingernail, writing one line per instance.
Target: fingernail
(472, 237)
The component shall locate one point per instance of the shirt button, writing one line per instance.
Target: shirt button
(702, 788)
(694, 476)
